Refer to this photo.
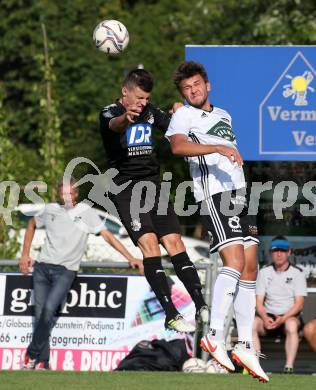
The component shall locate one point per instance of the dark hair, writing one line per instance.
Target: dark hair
(139, 78)
(188, 69)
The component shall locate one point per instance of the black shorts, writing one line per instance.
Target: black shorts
(160, 218)
(225, 217)
(280, 331)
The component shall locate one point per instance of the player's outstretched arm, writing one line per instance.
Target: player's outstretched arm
(116, 244)
(181, 146)
(119, 123)
(26, 261)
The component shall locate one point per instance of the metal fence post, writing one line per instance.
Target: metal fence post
(207, 297)
(208, 289)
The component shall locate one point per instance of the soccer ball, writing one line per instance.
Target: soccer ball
(212, 367)
(193, 365)
(111, 36)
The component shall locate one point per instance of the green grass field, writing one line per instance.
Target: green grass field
(41, 380)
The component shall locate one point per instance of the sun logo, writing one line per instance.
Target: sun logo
(298, 88)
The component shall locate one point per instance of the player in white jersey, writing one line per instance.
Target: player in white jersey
(203, 133)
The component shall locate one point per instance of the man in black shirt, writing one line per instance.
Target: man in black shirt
(126, 129)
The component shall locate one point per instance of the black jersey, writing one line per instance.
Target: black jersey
(132, 151)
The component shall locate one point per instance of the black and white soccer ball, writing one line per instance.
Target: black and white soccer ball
(111, 36)
(212, 367)
(194, 365)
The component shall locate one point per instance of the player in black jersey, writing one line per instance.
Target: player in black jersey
(126, 129)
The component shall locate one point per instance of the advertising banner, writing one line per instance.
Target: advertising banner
(270, 92)
(103, 318)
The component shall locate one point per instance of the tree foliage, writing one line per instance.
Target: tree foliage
(87, 79)
(9, 159)
(51, 149)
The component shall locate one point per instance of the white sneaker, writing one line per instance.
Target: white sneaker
(217, 349)
(28, 363)
(249, 359)
(179, 324)
(40, 366)
(203, 314)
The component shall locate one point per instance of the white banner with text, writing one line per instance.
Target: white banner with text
(103, 318)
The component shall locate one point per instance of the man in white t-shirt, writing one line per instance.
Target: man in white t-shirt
(67, 226)
(281, 288)
(203, 134)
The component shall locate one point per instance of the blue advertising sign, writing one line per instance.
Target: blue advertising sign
(270, 92)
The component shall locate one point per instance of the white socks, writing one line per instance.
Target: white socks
(223, 295)
(245, 306)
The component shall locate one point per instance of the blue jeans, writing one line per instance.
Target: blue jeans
(51, 285)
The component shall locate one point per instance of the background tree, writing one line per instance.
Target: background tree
(9, 189)
(51, 149)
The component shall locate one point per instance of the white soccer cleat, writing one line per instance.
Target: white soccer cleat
(179, 324)
(217, 349)
(249, 359)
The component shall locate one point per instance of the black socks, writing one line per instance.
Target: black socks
(186, 272)
(156, 277)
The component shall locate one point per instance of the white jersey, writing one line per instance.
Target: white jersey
(212, 173)
(67, 233)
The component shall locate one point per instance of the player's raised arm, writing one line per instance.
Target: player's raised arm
(181, 146)
(119, 123)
